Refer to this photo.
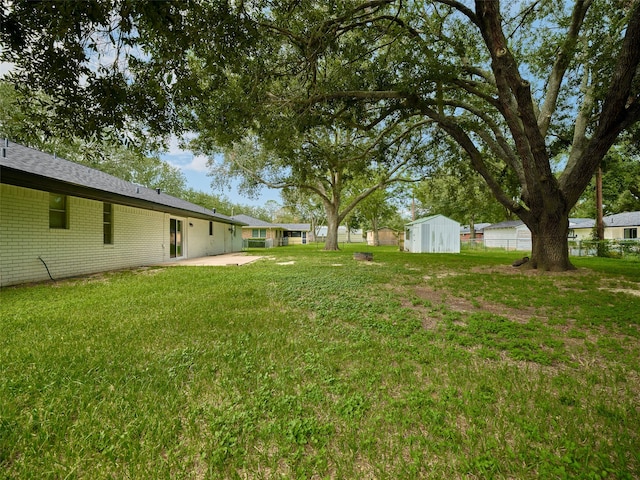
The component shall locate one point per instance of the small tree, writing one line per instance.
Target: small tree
(340, 168)
(377, 209)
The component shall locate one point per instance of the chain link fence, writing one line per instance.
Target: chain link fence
(577, 248)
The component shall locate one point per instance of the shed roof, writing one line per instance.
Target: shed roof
(26, 167)
(430, 217)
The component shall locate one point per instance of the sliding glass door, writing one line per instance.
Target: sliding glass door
(175, 238)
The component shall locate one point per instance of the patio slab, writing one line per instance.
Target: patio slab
(226, 259)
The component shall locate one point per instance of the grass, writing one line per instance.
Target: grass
(432, 366)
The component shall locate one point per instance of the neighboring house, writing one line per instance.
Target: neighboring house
(61, 219)
(272, 234)
(515, 235)
(465, 231)
(510, 235)
(621, 226)
(354, 236)
(577, 230)
(434, 234)
(386, 236)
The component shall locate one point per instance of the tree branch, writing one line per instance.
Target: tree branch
(477, 161)
(561, 64)
(620, 109)
(462, 9)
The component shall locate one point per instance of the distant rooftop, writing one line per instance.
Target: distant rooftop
(625, 219)
(256, 222)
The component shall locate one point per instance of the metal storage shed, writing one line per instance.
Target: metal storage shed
(434, 234)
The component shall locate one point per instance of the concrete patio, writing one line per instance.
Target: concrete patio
(226, 259)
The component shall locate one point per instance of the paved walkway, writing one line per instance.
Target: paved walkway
(237, 258)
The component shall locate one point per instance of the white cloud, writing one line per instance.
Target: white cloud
(184, 159)
(5, 67)
(198, 164)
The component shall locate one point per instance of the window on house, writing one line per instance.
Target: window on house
(107, 223)
(58, 215)
(210, 228)
(630, 233)
(259, 233)
(408, 234)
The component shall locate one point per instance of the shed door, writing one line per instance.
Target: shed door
(425, 240)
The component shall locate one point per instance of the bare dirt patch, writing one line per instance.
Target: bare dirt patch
(509, 270)
(441, 298)
(628, 291)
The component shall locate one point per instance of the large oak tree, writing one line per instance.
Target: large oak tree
(505, 82)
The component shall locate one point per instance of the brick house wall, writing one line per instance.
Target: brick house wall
(140, 237)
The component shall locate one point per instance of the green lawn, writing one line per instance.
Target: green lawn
(309, 364)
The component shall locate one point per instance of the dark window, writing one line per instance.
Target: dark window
(630, 233)
(107, 223)
(58, 214)
(210, 228)
(259, 233)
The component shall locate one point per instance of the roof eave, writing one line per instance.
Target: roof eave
(23, 179)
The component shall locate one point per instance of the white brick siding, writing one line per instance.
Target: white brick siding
(140, 237)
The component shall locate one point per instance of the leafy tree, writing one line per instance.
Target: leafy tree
(341, 168)
(304, 207)
(620, 184)
(105, 152)
(377, 209)
(504, 81)
(208, 200)
(464, 68)
(458, 192)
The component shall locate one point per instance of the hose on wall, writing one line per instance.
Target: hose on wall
(45, 266)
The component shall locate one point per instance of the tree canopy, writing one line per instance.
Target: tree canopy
(515, 85)
(339, 167)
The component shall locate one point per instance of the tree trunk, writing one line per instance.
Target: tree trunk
(314, 227)
(599, 212)
(331, 242)
(376, 236)
(549, 243)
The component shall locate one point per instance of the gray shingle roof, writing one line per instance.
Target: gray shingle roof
(626, 219)
(507, 224)
(303, 227)
(256, 222)
(573, 223)
(29, 167)
(252, 222)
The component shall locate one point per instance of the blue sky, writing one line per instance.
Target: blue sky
(194, 168)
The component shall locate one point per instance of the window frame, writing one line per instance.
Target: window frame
(630, 233)
(107, 223)
(54, 213)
